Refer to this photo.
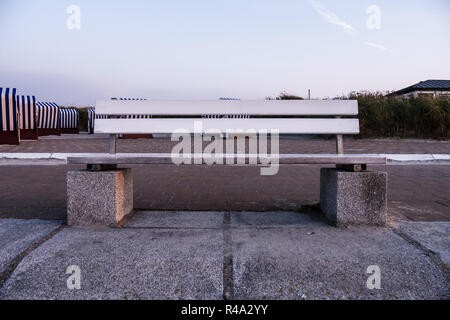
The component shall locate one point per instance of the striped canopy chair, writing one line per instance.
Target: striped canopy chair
(9, 133)
(91, 120)
(68, 121)
(48, 118)
(27, 117)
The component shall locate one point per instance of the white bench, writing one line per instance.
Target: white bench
(349, 193)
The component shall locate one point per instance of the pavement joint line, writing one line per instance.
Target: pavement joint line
(231, 227)
(6, 274)
(170, 228)
(227, 263)
(435, 258)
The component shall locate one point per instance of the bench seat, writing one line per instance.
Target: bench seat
(166, 158)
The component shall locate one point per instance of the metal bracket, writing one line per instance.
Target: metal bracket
(112, 143)
(352, 167)
(339, 144)
(101, 167)
(339, 141)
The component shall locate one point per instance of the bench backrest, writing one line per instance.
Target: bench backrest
(287, 116)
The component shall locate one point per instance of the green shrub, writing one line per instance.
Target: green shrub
(285, 96)
(415, 117)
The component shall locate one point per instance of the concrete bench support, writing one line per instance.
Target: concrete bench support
(99, 197)
(349, 198)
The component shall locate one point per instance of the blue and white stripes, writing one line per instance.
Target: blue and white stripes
(27, 112)
(136, 116)
(48, 115)
(91, 117)
(231, 116)
(101, 116)
(8, 109)
(68, 118)
(134, 99)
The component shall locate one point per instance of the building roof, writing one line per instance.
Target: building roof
(427, 85)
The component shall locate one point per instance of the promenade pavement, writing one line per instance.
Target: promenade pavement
(247, 236)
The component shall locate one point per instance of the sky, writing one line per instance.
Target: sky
(206, 49)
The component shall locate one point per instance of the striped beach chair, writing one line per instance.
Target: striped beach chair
(68, 121)
(27, 117)
(48, 118)
(91, 120)
(9, 133)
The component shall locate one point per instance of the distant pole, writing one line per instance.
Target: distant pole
(309, 94)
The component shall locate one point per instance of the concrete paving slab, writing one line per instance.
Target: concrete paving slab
(274, 255)
(322, 262)
(17, 235)
(175, 219)
(122, 264)
(435, 236)
(276, 218)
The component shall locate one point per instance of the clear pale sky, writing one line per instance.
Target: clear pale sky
(206, 49)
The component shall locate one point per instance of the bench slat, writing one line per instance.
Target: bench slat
(230, 107)
(165, 158)
(285, 126)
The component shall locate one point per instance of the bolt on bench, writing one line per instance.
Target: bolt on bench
(349, 194)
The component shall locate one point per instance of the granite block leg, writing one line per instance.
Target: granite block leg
(353, 198)
(99, 197)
